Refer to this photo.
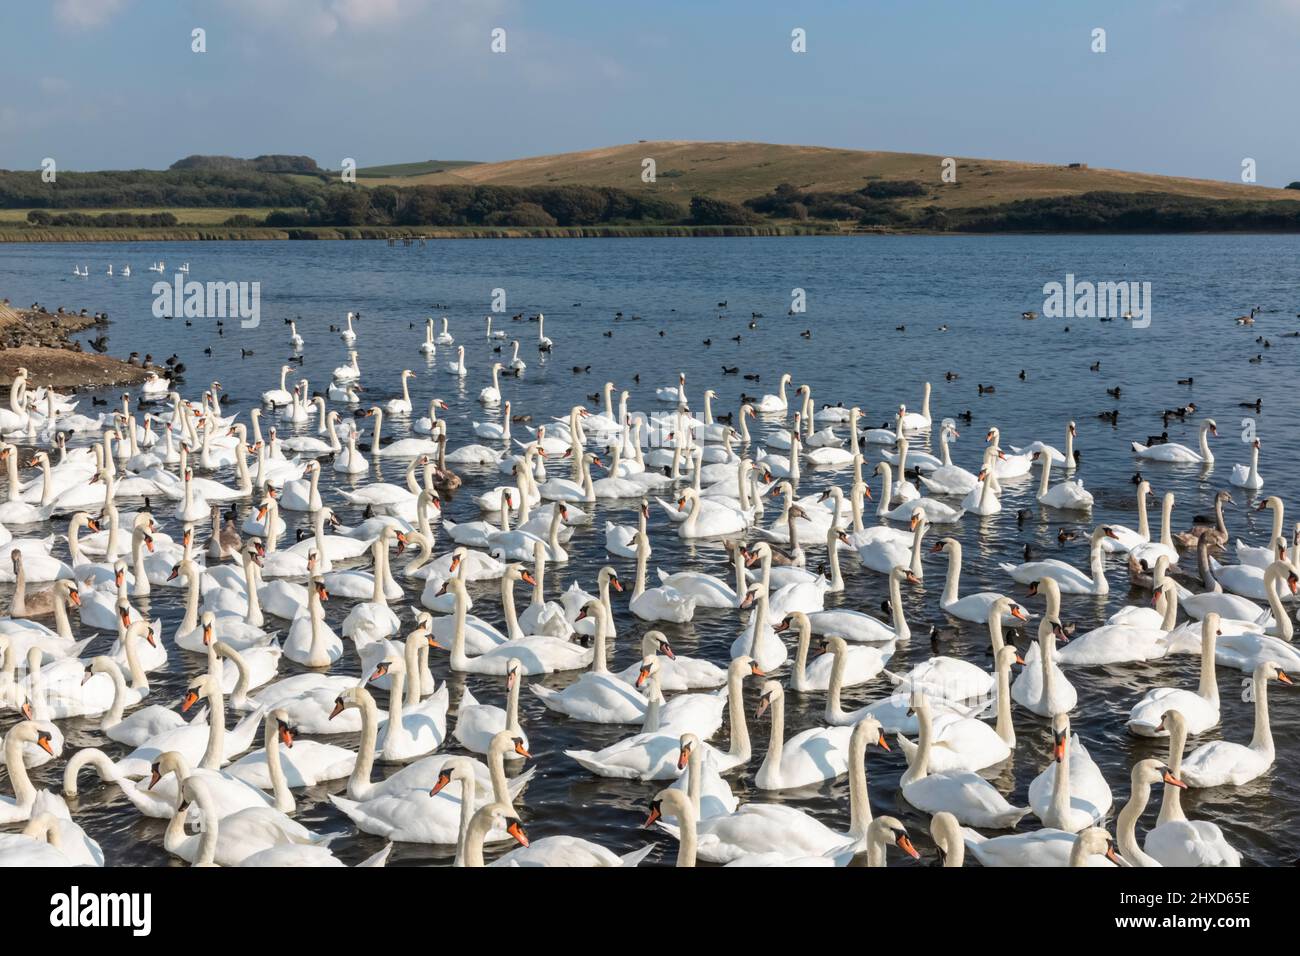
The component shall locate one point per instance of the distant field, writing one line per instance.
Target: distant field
(404, 170)
(739, 171)
(202, 216)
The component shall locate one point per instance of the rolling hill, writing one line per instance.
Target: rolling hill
(740, 171)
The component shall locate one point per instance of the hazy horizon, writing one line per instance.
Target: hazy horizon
(1183, 89)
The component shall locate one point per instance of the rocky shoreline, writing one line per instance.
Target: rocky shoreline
(41, 342)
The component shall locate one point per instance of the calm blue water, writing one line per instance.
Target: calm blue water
(859, 290)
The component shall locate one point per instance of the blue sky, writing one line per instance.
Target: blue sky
(1186, 87)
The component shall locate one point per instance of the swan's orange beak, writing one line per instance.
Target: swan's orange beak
(510, 681)
(764, 702)
(148, 543)
(444, 778)
(1282, 676)
(191, 698)
(882, 742)
(380, 671)
(905, 845)
(683, 757)
(93, 524)
(911, 525)
(1113, 856)
(527, 578)
(912, 578)
(154, 776)
(338, 708)
(616, 584)
(43, 741)
(520, 748)
(655, 814)
(207, 634)
(455, 563)
(148, 636)
(74, 598)
(1058, 747)
(667, 651)
(286, 735)
(681, 504)
(641, 676)
(26, 710)
(516, 830)
(1018, 613)
(755, 670)
(1172, 780)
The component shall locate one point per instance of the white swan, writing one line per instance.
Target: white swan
(1226, 763)
(1070, 794)
(1181, 454)
(1200, 708)
(966, 795)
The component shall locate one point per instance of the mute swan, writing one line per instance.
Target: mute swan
(457, 366)
(1124, 642)
(303, 763)
(1175, 840)
(967, 743)
(491, 395)
(1181, 454)
(549, 851)
(861, 663)
(1069, 579)
(1144, 774)
(1248, 476)
(759, 639)
(1226, 763)
(277, 397)
(428, 346)
(18, 808)
(1046, 847)
(676, 672)
(414, 728)
(597, 696)
(664, 603)
(857, 626)
(1068, 495)
(806, 759)
(654, 754)
(778, 827)
(445, 336)
(478, 724)
(1042, 686)
(311, 642)
(973, 607)
(917, 421)
(537, 653)
(774, 404)
(1070, 794)
(966, 795)
(1200, 708)
(401, 406)
(348, 336)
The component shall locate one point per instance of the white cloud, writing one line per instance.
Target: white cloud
(86, 14)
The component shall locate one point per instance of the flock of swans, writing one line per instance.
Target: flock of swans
(172, 496)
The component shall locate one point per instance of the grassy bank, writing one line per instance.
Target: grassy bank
(217, 233)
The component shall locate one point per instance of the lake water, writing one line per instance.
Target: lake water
(858, 292)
